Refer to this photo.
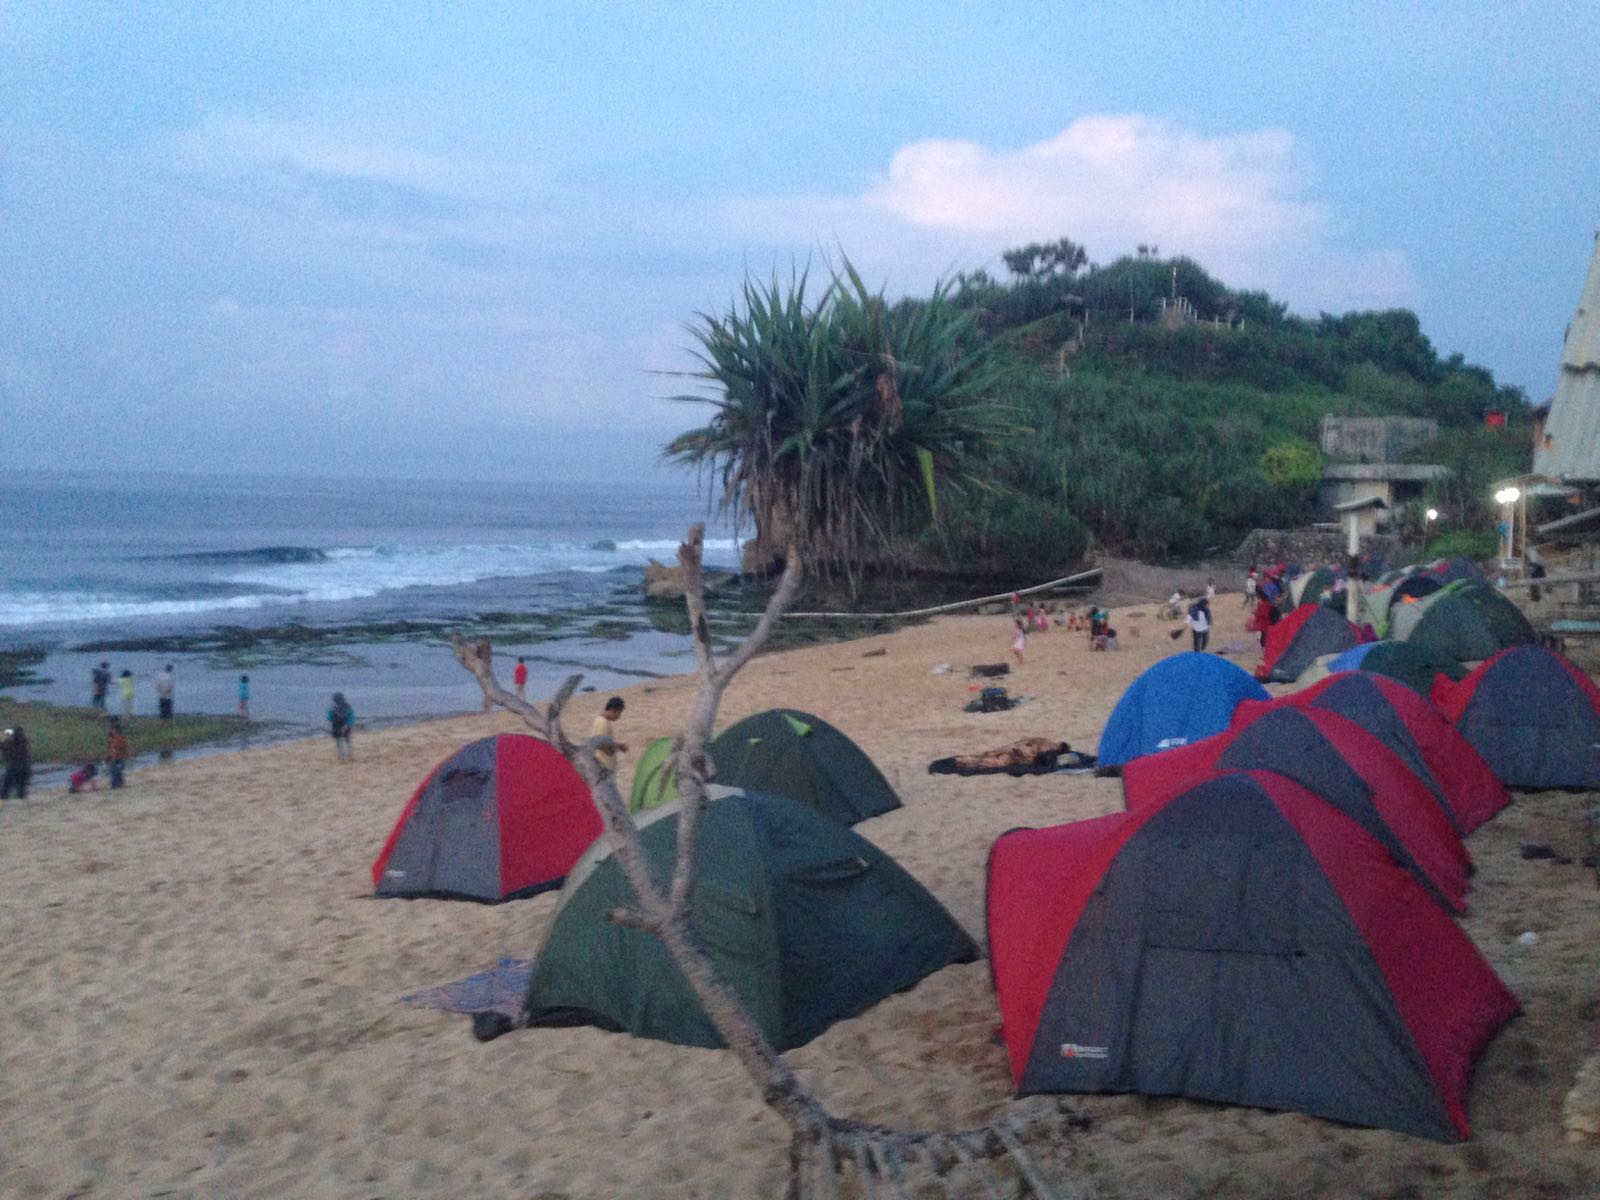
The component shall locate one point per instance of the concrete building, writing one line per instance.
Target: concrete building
(1370, 447)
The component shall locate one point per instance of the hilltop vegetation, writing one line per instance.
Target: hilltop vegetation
(1142, 406)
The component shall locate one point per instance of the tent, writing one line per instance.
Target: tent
(794, 754)
(1411, 664)
(1309, 631)
(1466, 620)
(1532, 715)
(1449, 570)
(1340, 762)
(807, 921)
(653, 783)
(1178, 700)
(502, 817)
(1243, 942)
(1314, 587)
(1414, 730)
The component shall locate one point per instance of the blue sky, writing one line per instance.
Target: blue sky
(463, 239)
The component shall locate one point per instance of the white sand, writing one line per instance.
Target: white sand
(201, 1001)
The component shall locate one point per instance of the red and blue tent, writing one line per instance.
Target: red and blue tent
(1242, 942)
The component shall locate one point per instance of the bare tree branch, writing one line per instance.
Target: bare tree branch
(820, 1141)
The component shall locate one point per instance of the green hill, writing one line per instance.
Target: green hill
(1160, 413)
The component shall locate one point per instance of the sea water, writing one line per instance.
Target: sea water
(315, 585)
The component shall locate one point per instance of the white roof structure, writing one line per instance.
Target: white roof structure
(1570, 448)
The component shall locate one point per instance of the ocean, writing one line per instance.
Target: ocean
(316, 585)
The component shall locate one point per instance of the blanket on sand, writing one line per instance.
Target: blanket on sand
(499, 989)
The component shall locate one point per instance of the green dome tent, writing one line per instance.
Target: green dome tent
(794, 754)
(653, 783)
(1467, 621)
(807, 921)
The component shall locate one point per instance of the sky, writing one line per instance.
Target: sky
(465, 240)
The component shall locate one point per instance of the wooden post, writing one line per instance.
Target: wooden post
(1352, 583)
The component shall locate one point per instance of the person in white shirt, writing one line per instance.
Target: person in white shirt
(163, 684)
(1199, 621)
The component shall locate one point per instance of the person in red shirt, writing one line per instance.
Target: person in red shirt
(519, 677)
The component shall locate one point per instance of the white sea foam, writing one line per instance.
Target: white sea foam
(345, 574)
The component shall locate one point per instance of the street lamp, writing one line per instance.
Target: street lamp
(1432, 514)
(1506, 497)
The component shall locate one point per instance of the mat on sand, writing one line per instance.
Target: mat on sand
(500, 989)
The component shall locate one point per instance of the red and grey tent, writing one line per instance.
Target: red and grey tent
(1532, 715)
(1243, 942)
(1307, 633)
(502, 817)
(1415, 730)
(1340, 762)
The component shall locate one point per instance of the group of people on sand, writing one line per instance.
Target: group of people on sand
(116, 756)
(1095, 621)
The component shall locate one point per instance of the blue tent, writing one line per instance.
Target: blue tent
(1177, 701)
(1350, 660)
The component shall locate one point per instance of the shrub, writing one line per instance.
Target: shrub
(1474, 545)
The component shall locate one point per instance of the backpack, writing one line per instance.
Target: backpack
(993, 699)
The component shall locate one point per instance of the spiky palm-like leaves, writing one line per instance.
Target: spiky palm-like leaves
(831, 418)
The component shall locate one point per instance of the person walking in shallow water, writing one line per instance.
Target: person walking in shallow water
(244, 697)
(125, 682)
(341, 720)
(99, 685)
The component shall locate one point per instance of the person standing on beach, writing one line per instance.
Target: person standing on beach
(519, 678)
(1019, 639)
(1250, 588)
(341, 720)
(125, 682)
(604, 728)
(18, 758)
(164, 682)
(244, 697)
(1199, 621)
(117, 753)
(99, 685)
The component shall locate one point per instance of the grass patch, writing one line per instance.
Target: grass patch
(61, 735)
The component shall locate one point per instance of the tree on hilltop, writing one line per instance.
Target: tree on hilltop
(1062, 258)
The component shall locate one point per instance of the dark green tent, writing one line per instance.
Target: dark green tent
(1467, 621)
(1414, 665)
(806, 920)
(653, 782)
(794, 754)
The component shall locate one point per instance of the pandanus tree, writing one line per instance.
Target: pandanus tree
(836, 420)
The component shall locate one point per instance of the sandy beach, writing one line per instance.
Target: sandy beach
(201, 999)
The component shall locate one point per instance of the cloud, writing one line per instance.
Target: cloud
(1242, 204)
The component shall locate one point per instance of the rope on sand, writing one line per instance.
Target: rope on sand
(939, 608)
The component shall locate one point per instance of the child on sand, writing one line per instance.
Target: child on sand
(83, 778)
(1019, 639)
(117, 752)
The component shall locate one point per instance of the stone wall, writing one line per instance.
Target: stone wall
(1311, 547)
